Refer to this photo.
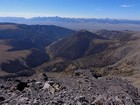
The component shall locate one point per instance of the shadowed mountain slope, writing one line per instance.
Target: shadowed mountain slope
(23, 46)
(22, 36)
(78, 45)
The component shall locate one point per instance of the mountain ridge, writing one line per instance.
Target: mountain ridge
(78, 23)
(78, 45)
(23, 46)
(67, 19)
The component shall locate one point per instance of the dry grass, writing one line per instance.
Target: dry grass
(12, 55)
(5, 27)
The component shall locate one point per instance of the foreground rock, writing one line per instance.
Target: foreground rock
(83, 90)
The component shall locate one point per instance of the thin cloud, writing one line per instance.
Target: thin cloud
(98, 10)
(127, 5)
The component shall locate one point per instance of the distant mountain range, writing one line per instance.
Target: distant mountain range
(78, 23)
(67, 20)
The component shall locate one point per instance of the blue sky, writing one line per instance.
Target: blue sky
(119, 9)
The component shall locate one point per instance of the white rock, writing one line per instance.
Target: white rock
(99, 98)
(118, 99)
(38, 82)
(46, 86)
(51, 90)
(23, 99)
(78, 103)
(56, 86)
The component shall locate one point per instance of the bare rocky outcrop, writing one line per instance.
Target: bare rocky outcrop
(75, 90)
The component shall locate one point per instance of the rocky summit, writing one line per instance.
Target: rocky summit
(79, 89)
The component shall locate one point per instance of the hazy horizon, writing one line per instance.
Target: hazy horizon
(114, 9)
(68, 17)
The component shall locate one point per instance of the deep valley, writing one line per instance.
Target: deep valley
(46, 57)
